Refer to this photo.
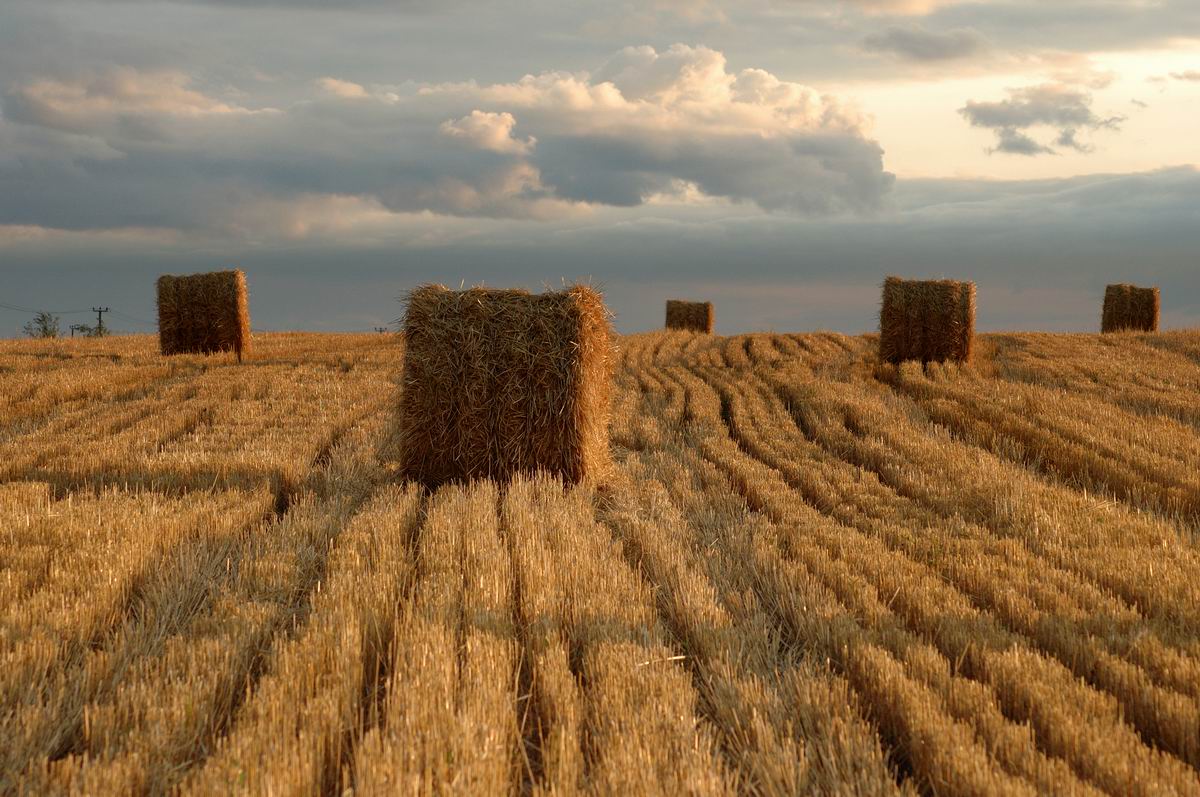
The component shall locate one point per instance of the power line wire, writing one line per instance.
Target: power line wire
(125, 316)
(134, 319)
(32, 310)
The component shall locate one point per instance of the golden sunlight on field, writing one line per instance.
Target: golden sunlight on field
(808, 573)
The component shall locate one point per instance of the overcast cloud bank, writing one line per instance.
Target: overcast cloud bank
(1041, 252)
(919, 44)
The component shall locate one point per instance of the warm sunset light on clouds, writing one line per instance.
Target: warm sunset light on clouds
(787, 154)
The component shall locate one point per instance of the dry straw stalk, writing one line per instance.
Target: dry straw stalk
(926, 320)
(498, 382)
(204, 313)
(694, 316)
(1130, 308)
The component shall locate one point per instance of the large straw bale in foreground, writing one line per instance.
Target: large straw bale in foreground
(926, 320)
(498, 382)
(204, 313)
(1130, 308)
(694, 316)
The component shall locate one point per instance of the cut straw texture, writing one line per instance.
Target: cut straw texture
(204, 313)
(1130, 308)
(926, 320)
(498, 382)
(693, 316)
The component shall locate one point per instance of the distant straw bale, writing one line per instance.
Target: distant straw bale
(926, 320)
(204, 313)
(498, 382)
(694, 316)
(1130, 308)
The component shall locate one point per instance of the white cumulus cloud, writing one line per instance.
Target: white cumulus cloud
(551, 144)
(646, 119)
(343, 88)
(118, 96)
(488, 131)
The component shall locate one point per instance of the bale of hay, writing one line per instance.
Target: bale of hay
(204, 313)
(693, 316)
(1130, 308)
(499, 382)
(926, 320)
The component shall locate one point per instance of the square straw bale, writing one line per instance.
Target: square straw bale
(204, 313)
(499, 382)
(694, 316)
(1130, 308)
(926, 320)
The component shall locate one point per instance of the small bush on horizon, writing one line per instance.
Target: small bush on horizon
(43, 325)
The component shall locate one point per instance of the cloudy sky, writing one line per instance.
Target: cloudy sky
(779, 157)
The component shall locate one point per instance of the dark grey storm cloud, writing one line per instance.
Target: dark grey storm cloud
(1041, 252)
(1048, 104)
(1075, 25)
(920, 44)
(302, 5)
(382, 40)
(838, 172)
(1064, 108)
(1013, 142)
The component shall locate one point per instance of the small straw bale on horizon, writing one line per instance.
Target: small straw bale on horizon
(1128, 308)
(693, 316)
(204, 313)
(499, 382)
(926, 320)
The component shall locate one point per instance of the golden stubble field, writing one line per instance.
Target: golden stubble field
(808, 574)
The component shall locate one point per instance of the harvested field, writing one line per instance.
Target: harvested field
(808, 573)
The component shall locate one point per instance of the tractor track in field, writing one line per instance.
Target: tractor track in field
(528, 692)
(203, 568)
(1112, 684)
(290, 618)
(376, 663)
(1062, 457)
(796, 639)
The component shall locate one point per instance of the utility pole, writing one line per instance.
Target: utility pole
(100, 311)
(381, 330)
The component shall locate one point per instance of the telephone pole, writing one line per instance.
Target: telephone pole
(100, 311)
